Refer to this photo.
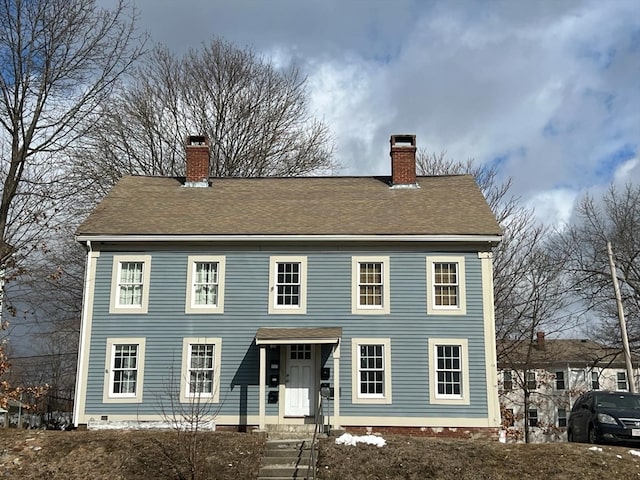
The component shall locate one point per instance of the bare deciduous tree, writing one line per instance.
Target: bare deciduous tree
(614, 217)
(59, 60)
(529, 288)
(255, 115)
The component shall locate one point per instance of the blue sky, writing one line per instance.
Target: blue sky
(549, 89)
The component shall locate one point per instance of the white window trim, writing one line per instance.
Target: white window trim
(108, 396)
(358, 309)
(184, 377)
(114, 307)
(273, 292)
(190, 306)
(432, 308)
(355, 379)
(434, 398)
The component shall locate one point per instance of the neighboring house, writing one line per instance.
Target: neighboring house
(251, 293)
(554, 372)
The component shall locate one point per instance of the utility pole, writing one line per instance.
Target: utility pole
(623, 325)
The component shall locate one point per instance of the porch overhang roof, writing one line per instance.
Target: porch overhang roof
(289, 335)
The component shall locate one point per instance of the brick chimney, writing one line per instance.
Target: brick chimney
(540, 340)
(403, 161)
(197, 147)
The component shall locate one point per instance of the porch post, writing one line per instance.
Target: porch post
(336, 386)
(262, 387)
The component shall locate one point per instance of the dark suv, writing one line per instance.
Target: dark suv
(602, 416)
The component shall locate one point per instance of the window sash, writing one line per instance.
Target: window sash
(595, 381)
(130, 283)
(200, 373)
(288, 283)
(370, 284)
(562, 417)
(371, 373)
(124, 370)
(622, 381)
(507, 380)
(206, 284)
(446, 285)
(560, 381)
(531, 381)
(448, 371)
(533, 417)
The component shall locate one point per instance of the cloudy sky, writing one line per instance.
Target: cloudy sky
(547, 90)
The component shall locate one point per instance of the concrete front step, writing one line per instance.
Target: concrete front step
(286, 458)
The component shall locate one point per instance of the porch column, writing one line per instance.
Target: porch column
(336, 386)
(262, 387)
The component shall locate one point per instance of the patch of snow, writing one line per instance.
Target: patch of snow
(634, 452)
(348, 439)
(595, 449)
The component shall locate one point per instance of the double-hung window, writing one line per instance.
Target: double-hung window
(533, 417)
(205, 284)
(370, 285)
(595, 381)
(200, 369)
(125, 370)
(448, 371)
(507, 380)
(622, 381)
(532, 384)
(562, 417)
(130, 284)
(288, 285)
(372, 370)
(560, 380)
(446, 292)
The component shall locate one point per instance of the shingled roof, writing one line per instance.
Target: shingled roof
(442, 205)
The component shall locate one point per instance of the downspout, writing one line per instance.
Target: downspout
(81, 350)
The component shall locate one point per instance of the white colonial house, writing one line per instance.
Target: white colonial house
(552, 373)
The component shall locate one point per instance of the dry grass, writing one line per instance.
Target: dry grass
(113, 455)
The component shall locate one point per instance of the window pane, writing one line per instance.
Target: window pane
(445, 281)
(449, 370)
(288, 284)
(130, 283)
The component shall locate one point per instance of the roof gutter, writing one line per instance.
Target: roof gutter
(494, 239)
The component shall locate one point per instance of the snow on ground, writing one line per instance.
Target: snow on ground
(348, 439)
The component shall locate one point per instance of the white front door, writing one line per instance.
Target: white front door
(300, 380)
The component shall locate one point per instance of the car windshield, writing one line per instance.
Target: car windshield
(618, 401)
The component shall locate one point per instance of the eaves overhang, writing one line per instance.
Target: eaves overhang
(492, 239)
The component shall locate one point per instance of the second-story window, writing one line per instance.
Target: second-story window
(507, 380)
(130, 284)
(370, 285)
(531, 381)
(205, 284)
(446, 285)
(288, 285)
(560, 380)
(622, 381)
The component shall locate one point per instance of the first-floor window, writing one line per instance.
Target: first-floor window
(200, 369)
(124, 367)
(533, 417)
(508, 418)
(372, 365)
(622, 381)
(562, 417)
(448, 371)
(595, 381)
(200, 380)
